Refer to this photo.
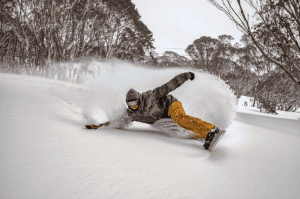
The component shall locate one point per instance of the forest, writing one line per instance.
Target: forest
(36, 34)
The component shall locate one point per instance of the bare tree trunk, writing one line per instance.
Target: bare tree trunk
(255, 94)
(255, 89)
(293, 106)
(268, 93)
(57, 46)
(21, 55)
(72, 36)
(16, 42)
(82, 38)
(36, 55)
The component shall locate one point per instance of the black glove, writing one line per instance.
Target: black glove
(192, 76)
(91, 126)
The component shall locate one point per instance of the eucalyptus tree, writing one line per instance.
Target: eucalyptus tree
(210, 55)
(63, 30)
(276, 33)
(172, 59)
(220, 58)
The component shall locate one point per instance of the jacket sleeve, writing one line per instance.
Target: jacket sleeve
(120, 122)
(171, 85)
(124, 121)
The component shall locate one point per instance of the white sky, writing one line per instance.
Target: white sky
(177, 23)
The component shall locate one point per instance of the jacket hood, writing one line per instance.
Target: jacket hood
(132, 95)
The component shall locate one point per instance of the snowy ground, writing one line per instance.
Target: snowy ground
(46, 153)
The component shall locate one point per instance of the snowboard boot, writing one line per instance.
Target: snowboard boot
(90, 126)
(212, 138)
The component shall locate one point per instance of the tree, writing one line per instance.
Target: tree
(212, 55)
(276, 34)
(36, 31)
(172, 59)
(278, 88)
(127, 36)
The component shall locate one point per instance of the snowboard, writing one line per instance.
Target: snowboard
(216, 139)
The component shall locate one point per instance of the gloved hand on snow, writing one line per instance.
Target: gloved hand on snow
(192, 75)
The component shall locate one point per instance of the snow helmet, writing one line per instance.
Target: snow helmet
(133, 99)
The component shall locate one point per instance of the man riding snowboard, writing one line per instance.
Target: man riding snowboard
(156, 104)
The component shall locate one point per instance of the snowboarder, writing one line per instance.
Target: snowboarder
(156, 104)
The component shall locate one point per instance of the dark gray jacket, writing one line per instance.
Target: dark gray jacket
(154, 104)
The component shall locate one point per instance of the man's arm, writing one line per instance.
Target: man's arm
(120, 122)
(105, 124)
(173, 84)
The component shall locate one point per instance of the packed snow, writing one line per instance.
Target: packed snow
(45, 151)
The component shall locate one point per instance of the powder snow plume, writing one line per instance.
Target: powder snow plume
(105, 84)
(206, 97)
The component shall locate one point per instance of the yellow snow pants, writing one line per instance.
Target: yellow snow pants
(199, 127)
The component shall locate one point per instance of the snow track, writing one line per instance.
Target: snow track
(46, 153)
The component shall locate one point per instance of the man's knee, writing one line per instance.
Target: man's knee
(176, 108)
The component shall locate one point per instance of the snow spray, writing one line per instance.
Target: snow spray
(207, 97)
(105, 84)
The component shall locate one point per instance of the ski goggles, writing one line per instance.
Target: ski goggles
(132, 103)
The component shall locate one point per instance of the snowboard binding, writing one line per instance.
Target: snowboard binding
(212, 138)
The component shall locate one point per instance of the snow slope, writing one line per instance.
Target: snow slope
(256, 111)
(46, 153)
